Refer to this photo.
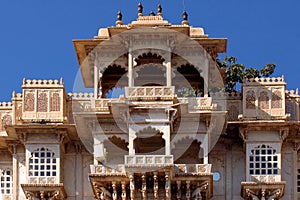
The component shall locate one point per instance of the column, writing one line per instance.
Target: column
(166, 137)
(131, 185)
(114, 194)
(96, 79)
(130, 69)
(188, 190)
(144, 187)
(13, 150)
(178, 190)
(155, 187)
(167, 186)
(132, 136)
(78, 171)
(167, 64)
(123, 191)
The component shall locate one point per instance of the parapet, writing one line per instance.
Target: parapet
(42, 83)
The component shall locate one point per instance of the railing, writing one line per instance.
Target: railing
(150, 93)
(198, 103)
(101, 169)
(192, 169)
(148, 160)
(42, 180)
(266, 178)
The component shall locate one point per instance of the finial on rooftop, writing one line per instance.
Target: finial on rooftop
(119, 18)
(159, 10)
(140, 9)
(152, 13)
(185, 18)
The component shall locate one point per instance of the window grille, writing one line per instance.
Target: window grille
(42, 163)
(6, 182)
(263, 161)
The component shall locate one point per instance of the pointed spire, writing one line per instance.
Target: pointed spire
(159, 10)
(119, 18)
(140, 9)
(185, 18)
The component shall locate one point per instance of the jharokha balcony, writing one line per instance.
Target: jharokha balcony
(172, 181)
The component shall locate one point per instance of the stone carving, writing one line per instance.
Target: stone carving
(250, 99)
(55, 101)
(29, 102)
(263, 100)
(276, 99)
(42, 102)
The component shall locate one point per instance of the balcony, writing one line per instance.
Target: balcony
(108, 171)
(192, 169)
(148, 160)
(150, 93)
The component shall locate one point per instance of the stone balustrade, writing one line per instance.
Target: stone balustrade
(148, 160)
(149, 93)
(190, 169)
(104, 170)
(5, 105)
(42, 180)
(266, 178)
(80, 95)
(264, 81)
(292, 93)
(42, 83)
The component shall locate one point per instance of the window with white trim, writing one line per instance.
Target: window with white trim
(6, 182)
(42, 163)
(263, 161)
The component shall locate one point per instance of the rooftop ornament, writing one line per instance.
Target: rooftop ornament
(119, 18)
(159, 10)
(185, 18)
(152, 13)
(140, 9)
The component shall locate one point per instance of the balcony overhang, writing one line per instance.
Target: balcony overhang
(262, 190)
(45, 191)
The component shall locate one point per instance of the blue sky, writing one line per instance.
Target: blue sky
(36, 35)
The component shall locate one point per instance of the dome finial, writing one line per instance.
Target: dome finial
(152, 13)
(159, 10)
(140, 9)
(119, 18)
(185, 18)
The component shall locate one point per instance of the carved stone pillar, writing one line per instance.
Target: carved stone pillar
(166, 137)
(167, 185)
(167, 64)
(131, 185)
(123, 191)
(114, 194)
(96, 79)
(130, 71)
(144, 187)
(132, 136)
(155, 187)
(188, 190)
(178, 190)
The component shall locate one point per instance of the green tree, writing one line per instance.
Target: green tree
(236, 72)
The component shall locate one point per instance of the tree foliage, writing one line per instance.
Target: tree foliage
(236, 72)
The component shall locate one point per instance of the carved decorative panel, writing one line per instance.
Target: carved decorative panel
(29, 102)
(55, 102)
(276, 99)
(263, 100)
(250, 100)
(42, 102)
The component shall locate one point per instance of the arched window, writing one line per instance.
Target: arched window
(6, 182)
(250, 100)
(263, 161)
(42, 163)
(263, 100)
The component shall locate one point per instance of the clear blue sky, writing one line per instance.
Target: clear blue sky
(36, 35)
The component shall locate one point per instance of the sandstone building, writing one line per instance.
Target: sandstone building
(156, 125)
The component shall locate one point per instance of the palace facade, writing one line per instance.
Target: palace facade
(156, 126)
